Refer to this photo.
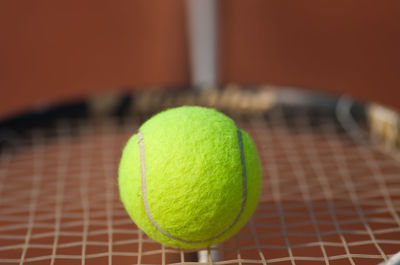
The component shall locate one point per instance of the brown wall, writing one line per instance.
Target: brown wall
(52, 50)
(350, 46)
(57, 50)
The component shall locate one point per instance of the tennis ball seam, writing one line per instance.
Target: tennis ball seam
(147, 208)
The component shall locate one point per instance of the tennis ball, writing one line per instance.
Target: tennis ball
(190, 178)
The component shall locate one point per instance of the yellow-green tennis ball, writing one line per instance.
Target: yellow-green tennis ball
(190, 178)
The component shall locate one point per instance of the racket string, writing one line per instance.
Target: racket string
(321, 193)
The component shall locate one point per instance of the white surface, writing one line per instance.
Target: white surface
(202, 33)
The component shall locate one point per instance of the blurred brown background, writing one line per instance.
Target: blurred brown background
(59, 51)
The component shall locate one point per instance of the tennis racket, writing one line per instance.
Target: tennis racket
(330, 193)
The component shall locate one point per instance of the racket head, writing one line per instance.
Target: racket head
(330, 195)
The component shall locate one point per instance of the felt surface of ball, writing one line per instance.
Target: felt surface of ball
(190, 178)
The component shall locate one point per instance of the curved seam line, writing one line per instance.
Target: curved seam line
(144, 193)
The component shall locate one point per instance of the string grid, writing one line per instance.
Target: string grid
(326, 199)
